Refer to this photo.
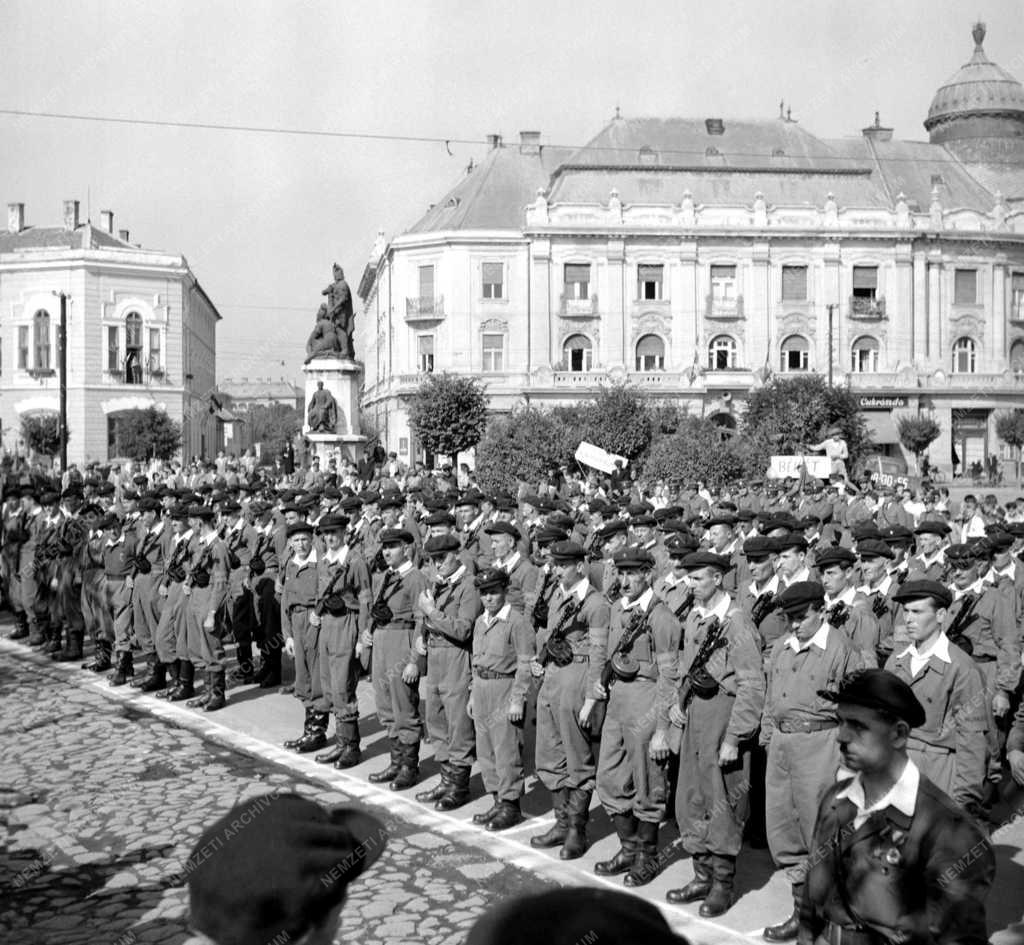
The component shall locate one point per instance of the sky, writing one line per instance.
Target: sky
(261, 217)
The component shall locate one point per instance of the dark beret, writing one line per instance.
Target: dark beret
(721, 518)
(299, 528)
(706, 559)
(392, 500)
(879, 689)
(396, 536)
(491, 579)
(837, 555)
(864, 531)
(792, 540)
(615, 527)
(130, 495)
(305, 502)
(874, 548)
(149, 504)
(110, 520)
(564, 552)
(106, 488)
(919, 590)
(469, 497)
(332, 523)
(49, 497)
(757, 547)
(369, 497)
(999, 540)
(800, 595)
(746, 515)
(674, 526)
(932, 527)
(352, 504)
(645, 520)
(502, 528)
(548, 533)
(679, 545)
(439, 518)
(178, 512)
(962, 554)
(441, 544)
(332, 492)
(562, 521)
(203, 512)
(230, 507)
(634, 509)
(633, 558)
(897, 535)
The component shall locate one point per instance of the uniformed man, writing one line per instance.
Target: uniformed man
(147, 573)
(570, 652)
(895, 859)
(719, 711)
(171, 642)
(845, 607)
(792, 562)
(878, 588)
(470, 522)
(118, 568)
(522, 573)
(503, 646)
(72, 537)
(28, 574)
(264, 568)
(240, 539)
(758, 596)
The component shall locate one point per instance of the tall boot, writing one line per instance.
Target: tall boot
(218, 685)
(54, 646)
(391, 771)
(148, 667)
(458, 792)
(440, 789)
(272, 664)
(488, 815)
(409, 769)
(125, 669)
(698, 887)
(577, 815)
(101, 658)
(72, 647)
(173, 679)
(199, 702)
(315, 737)
(719, 899)
(39, 631)
(334, 753)
(292, 742)
(509, 815)
(350, 735)
(20, 626)
(155, 679)
(243, 674)
(186, 688)
(556, 835)
(626, 827)
(647, 864)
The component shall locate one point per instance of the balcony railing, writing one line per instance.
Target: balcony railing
(579, 308)
(424, 308)
(730, 309)
(867, 309)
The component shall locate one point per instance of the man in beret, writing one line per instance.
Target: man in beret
(70, 538)
(396, 670)
(845, 607)
(46, 600)
(31, 599)
(470, 522)
(275, 869)
(798, 731)
(878, 588)
(503, 645)
(612, 537)
(269, 556)
(719, 711)
(240, 539)
(721, 540)
(171, 638)
(14, 535)
(929, 561)
(639, 687)
(448, 608)
(1005, 571)
(153, 541)
(792, 564)
(673, 586)
(896, 860)
(571, 644)
(757, 596)
(118, 568)
(522, 573)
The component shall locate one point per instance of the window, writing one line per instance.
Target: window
(1017, 359)
(721, 353)
(649, 282)
(113, 349)
(133, 348)
(426, 283)
(650, 354)
(577, 280)
(41, 327)
(865, 356)
(963, 356)
(155, 361)
(494, 354)
(865, 288)
(794, 283)
(425, 352)
(493, 279)
(965, 286)
(795, 354)
(23, 347)
(723, 286)
(578, 353)
(1017, 297)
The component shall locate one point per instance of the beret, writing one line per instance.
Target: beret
(106, 488)
(962, 553)
(932, 527)
(299, 528)
(91, 509)
(438, 518)
(722, 518)
(548, 533)
(597, 504)
(276, 863)
(564, 552)
(305, 502)
(644, 521)
(838, 555)
(706, 559)
(678, 545)
(178, 512)
(332, 523)
(615, 527)
(792, 540)
(866, 530)
(140, 480)
(435, 503)
(149, 504)
(205, 489)
(759, 547)
(130, 495)
(746, 515)
(110, 520)
(809, 521)
(873, 548)
(332, 492)
(674, 526)
(49, 497)
(369, 497)
(392, 500)
(800, 595)
(999, 540)
(633, 509)
(502, 528)
(230, 507)
(27, 492)
(879, 689)
(1016, 529)
(441, 544)
(633, 558)
(897, 535)
(204, 512)
(491, 579)
(919, 590)
(396, 536)
(351, 504)
(562, 521)
(469, 497)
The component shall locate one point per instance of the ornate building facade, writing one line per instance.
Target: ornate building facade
(699, 257)
(141, 332)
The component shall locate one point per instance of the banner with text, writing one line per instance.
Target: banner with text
(789, 467)
(590, 455)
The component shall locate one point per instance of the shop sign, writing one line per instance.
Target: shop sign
(881, 403)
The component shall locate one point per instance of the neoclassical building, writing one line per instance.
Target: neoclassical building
(697, 257)
(140, 332)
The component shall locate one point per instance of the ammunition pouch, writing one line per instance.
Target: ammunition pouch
(964, 642)
(233, 560)
(176, 573)
(142, 564)
(335, 606)
(381, 613)
(201, 578)
(625, 667)
(559, 651)
(703, 684)
(257, 566)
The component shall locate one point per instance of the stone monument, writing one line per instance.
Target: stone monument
(333, 377)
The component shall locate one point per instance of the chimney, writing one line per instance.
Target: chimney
(715, 126)
(70, 214)
(493, 141)
(15, 217)
(529, 142)
(107, 221)
(876, 132)
(122, 235)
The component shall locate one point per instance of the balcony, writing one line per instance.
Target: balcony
(424, 309)
(723, 309)
(578, 308)
(867, 309)
(734, 377)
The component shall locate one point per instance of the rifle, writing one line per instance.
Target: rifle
(256, 563)
(763, 606)
(556, 648)
(880, 606)
(697, 678)
(142, 564)
(620, 664)
(685, 606)
(175, 567)
(964, 618)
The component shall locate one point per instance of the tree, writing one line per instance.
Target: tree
(698, 450)
(448, 413)
(522, 446)
(620, 419)
(41, 433)
(917, 433)
(148, 433)
(1010, 429)
(273, 426)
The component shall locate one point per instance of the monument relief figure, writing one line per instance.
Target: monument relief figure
(322, 412)
(335, 322)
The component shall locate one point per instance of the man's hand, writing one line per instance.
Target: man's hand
(211, 619)
(515, 712)
(366, 639)
(54, 584)
(588, 707)
(536, 670)
(129, 582)
(425, 603)
(469, 706)
(411, 674)
(658, 749)
(314, 619)
(161, 591)
(729, 753)
(676, 716)
(600, 691)
(186, 590)
(1016, 760)
(289, 647)
(1000, 704)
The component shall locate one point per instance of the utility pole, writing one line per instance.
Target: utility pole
(831, 353)
(62, 379)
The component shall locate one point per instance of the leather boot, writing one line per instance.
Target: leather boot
(555, 837)
(218, 685)
(243, 674)
(440, 789)
(39, 630)
(626, 828)
(577, 815)
(101, 658)
(647, 865)
(20, 627)
(391, 771)
(54, 646)
(719, 899)
(173, 680)
(785, 931)
(137, 681)
(336, 751)
(125, 669)
(72, 648)
(409, 770)
(698, 887)
(200, 701)
(508, 816)
(156, 679)
(293, 742)
(186, 688)
(458, 791)
(350, 735)
(488, 815)
(315, 736)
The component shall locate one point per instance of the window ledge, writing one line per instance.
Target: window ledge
(486, 301)
(41, 372)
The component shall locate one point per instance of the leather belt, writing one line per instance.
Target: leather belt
(839, 935)
(790, 726)
(984, 659)
(491, 674)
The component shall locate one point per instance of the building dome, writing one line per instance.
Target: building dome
(979, 90)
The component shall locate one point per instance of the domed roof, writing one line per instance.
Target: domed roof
(980, 87)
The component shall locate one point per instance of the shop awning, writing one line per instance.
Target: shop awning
(881, 427)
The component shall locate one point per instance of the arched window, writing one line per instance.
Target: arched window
(865, 355)
(795, 354)
(963, 356)
(721, 353)
(1017, 358)
(578, 353)
(650, 354)
(41, 330)
(133, 348)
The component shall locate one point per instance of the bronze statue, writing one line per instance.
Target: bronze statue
(322, 412)
(324, 342)
(335, 322)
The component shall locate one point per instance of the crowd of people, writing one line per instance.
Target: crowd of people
(683, 651)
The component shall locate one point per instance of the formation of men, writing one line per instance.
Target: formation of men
(678, 661)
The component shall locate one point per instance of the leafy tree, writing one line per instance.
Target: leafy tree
(143, 434)
(698, 450)
(917, 434)
(41, 433)
(273, 426)
(620, 419)
(522, 446)
(1010, 429)
(448, 413)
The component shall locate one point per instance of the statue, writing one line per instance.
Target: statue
(322, 412)
(335, 322)
(324, 341)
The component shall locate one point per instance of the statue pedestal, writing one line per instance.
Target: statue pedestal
(342, 378)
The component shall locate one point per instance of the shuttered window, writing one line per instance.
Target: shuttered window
(794, 283)
(965, 286)
(426, 283)
(865, 280)
(649, 282)
(493, 278)
(577, 280)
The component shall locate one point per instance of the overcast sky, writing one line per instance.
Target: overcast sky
(261, 217)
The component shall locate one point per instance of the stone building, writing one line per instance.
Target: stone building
(697, 257)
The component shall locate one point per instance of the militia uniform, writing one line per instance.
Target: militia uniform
(146, 601)
(118, 567)
(171, 643)
(264, 566)
(240, 539)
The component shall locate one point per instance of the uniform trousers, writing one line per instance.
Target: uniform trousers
(117, 601)
(94, 612)
(449, 727)
(267, 628)
(398, 703)
(241, 614)
(171, 628)
(564, 753)
(29, 589)
(205, 647)
(339, 668)
(146, 607)
(69, 593)
(499, 742)
(308, 676)
(9, 563)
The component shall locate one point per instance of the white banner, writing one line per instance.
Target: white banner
(788, 467)
(590, 455)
